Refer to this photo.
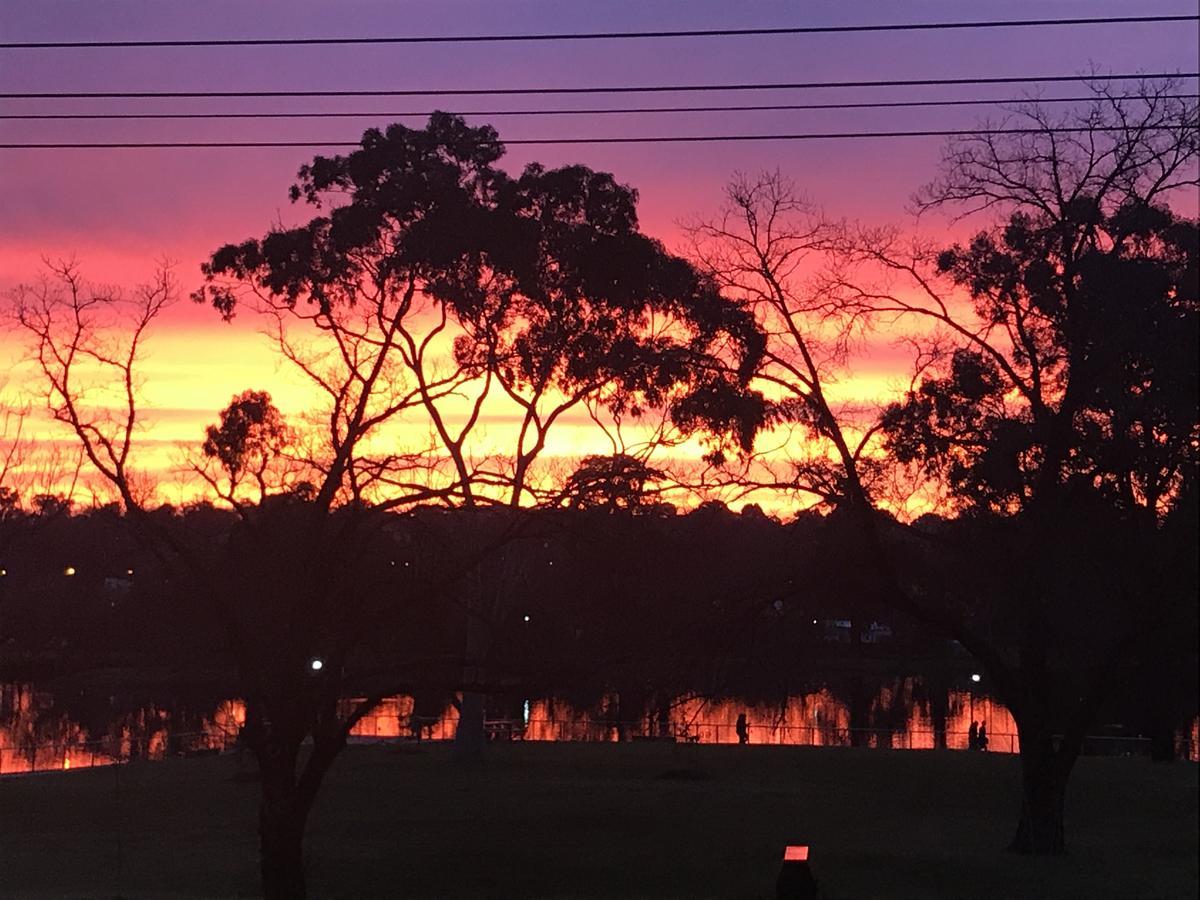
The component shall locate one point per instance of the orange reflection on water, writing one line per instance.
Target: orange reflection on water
(35, 738)
(393, 717)
(32, 739)
(817, 719)
(554, 720)
(966, 708)
(227, 719)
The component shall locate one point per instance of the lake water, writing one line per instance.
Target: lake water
(39, 731)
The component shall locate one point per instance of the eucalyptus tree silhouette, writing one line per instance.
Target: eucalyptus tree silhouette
(1054, 406)
(1057, 408)
(431, 276)
(548, 296)
(432, 283)
(1071, 439)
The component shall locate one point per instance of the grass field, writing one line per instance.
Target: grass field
(593, 820)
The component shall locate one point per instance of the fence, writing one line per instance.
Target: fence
(59, 756)
(386, 727)
(29, 757)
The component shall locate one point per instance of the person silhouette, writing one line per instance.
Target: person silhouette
(982, 740)
(742, 729)
(973, 736)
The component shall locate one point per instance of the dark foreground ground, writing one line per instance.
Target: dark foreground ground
(620, 821)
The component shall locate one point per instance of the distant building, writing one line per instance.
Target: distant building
(836, 631)
(118, 585)
(877, 633)
(841, 631)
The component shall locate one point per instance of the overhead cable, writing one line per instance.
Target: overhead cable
(613, 89)
(598, 35)
(627, 110)
(635, 139)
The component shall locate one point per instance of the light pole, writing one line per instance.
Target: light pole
(975, 679)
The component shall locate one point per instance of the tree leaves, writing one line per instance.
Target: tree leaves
(547, 275)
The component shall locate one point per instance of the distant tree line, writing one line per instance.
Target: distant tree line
(645, 605)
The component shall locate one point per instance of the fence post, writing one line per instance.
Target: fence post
(117, 813)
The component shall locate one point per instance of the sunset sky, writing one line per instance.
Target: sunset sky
(118, 211)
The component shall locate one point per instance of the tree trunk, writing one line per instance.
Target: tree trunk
(1160, 716)
(860, 712)
(935, 688)
(1044, 772)
(631, 711)
(281, 823)
(662, 715)
(468, 735)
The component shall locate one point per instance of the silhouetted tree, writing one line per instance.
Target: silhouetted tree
(1058, 407)
(544, 291)
(543, 285)
(1100, 443)
(612, 482)
(249, 441)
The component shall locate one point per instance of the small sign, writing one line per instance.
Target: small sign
(795, 881)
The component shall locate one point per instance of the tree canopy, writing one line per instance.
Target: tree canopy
(1091, 383)
(552, 291)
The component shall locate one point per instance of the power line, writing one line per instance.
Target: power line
(771, 107)
(617, 89)
(639, 139)
(600, 35)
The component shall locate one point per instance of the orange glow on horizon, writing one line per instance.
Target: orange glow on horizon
(194, 364)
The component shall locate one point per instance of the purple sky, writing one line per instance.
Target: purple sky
(119, 210)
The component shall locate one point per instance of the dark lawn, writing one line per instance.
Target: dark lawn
(593, 820)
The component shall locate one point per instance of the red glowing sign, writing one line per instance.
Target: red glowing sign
(795, 854)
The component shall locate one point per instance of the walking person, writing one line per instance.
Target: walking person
(982, 740)
(742, 729)
(973, 736)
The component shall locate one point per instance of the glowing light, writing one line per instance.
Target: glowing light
(316, 664)
(69, 571)
(129, 572)
(526, 618)
(795, 880)
(3, 572)
(66, 762)
(976, 677)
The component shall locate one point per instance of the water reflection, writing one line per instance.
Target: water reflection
(37, 733)
(814, 719)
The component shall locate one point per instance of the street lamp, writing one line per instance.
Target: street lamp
(316, 664)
